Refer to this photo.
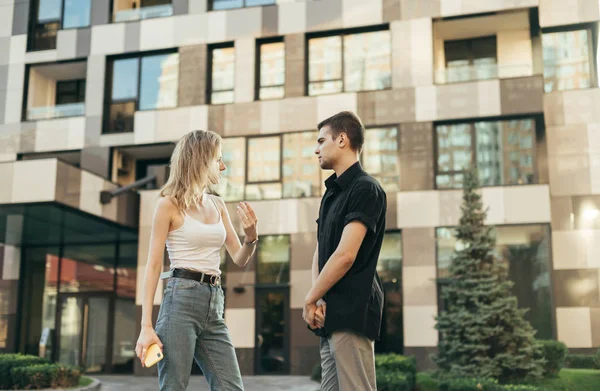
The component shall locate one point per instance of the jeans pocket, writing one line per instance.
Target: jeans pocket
(184, 283)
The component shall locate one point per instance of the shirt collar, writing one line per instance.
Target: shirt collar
(346, 178)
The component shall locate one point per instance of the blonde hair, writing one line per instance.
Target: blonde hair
(193, 168)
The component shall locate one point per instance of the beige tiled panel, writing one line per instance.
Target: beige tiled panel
(574, 327)
(458, 101)
(298, 114)
(426, 106)
(6, 18)
(284, 216)
(418, 209)
(464, 7)
(593, 137)
(414, 9)
(300, 284)
(144, 127)
(108, 39)
(412, 53)
(113, 140)
(198, 6)
(292, 18)
(269, 116)
(553, 109)
(11, 264)
(569, 175)
(36, 181)
(244, 23)
(60, 134)
(567, 140)
(489, 98)
(244, 69)
(158, 33)
(148, 200)
(240, 322)
(94, 94)
(595, 173)
(556, 13)
(41, 56)
(419, 326)
(91, 186)
(110, 211)
(241, 119)
(514, 53)
(18, 48)
(329, 105)
(526, 204)
(191, 29)
(361, 12)
(418, 247)
(581, 106)
(579, 249)
(7, 174)
(419, 286)
(66, 43)
(217, 26)
(139, 291)
(144, 243)
(171, 125)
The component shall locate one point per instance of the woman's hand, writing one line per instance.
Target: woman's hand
(249, 220)
(147, 337)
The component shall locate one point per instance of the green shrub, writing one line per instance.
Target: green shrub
(45, 376)
(581, 361)
(395, 362)
(554, 353)
(473, 384)
(316, 373)
(394, 381)
(11, 361)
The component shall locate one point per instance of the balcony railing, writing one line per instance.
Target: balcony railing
(58, 111)
(481, 72)
(157, 11)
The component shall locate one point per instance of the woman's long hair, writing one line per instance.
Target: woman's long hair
(193, 168)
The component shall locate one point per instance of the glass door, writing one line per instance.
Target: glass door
(83, 331)
(272, 334)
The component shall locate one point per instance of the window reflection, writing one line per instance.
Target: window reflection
(127, 269)
(525, 249)
(159, 81)
(470, 59)
(567, 64)
(264, 159)
(380, 157)
(87, 268)
(504, 152)
(222, 75)
(301, 171)
(77, 13)
(230, 4)
(231, 185)
(273, 260)
(366, 63)
(272, 70)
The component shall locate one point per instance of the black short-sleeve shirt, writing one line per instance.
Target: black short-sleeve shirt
(355, 302)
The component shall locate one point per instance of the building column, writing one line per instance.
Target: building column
(295, 80)
(193, 63)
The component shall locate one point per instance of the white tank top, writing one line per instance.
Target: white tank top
(197, 246)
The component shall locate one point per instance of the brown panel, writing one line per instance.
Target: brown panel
(27, 143)
(391, 214)
(366, 107)
(415, 9)
(128, 209)
(541, 151)
(560, 210)
(294, 65)
(299, 333)
(138, 370)
(270, 20)
(422, 354)
(395, 106)
(576, 288)
(522, 95)
(216, 118)
(303, 359)
(303, 249)
(242, 119)
(245, 299)
(96, 160)
(391, 10)
(416, 156)
(68, 185)
(192, 75)
(245, 358)
(418, 246)
(595, 314)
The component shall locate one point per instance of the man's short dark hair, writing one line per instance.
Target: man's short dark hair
(349, 123)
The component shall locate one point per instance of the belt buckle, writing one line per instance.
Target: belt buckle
(215, 280)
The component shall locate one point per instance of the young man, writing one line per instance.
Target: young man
(345, 304)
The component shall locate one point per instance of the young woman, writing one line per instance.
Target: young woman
(194, 225)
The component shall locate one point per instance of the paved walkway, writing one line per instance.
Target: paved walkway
(198, 383)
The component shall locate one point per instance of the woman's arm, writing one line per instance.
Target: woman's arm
(239, 253)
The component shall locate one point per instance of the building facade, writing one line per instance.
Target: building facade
(94, 94)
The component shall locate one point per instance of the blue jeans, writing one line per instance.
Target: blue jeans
(191, 326)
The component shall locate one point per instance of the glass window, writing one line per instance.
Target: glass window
(49, 10)
(127, 10)
(504, 152)
(272, 70)
(231, 186)
(222, 75)
(125, 79)
(264, 156)
(470, 59)
(380, 157)
(127, 269)
(159, 81)
(263, 191)
(77, 13)
(229, 4)
(71, 91)
(567, 63)
(366, 63)
(87, 268)
(301, 171)
(525, 249)
(273, 260)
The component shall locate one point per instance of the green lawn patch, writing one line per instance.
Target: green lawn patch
(84, 381)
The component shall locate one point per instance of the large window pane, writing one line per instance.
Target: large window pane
(77, 13)
(470, 59)
(49, 10)
(226, 4)
(231, 186)
(389, 269)
(526, 251)
(273, 260)
(223, 75)
(265, 191)
(380, 157)
(301, 171)
(87, 268)
(124, 336)
(367, 61)
(325, 65)
(272, 70)
(159, 81)
(121, 117)
(567, 63)
(454, 153)
(125, 79)
(264, 159)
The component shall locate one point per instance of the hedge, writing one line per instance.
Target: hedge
(555, 353)
(45, 376)
(12, 361)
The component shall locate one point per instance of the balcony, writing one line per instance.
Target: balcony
(56, 91)
(466, 73)
(157, 11)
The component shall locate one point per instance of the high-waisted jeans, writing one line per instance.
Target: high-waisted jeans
(191, 326)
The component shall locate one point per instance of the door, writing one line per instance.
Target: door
(272, 332)
(83, 332)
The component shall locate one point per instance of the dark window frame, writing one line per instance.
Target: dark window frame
(108, 101)
(211, 6)
(341, 33)
(80, 88)
(257, 80)
(111, 16)
(538, 133)
(209, 82)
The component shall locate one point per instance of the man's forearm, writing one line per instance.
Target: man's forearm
(337, 266)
